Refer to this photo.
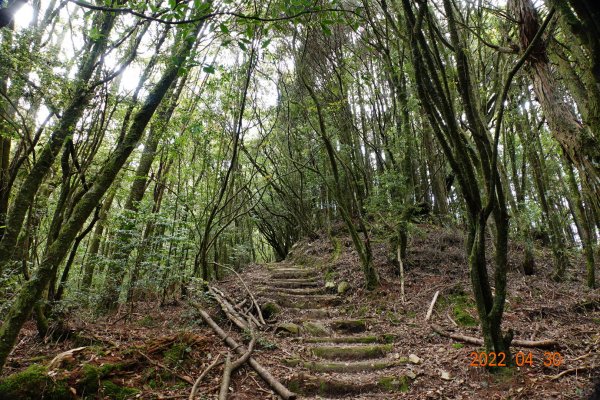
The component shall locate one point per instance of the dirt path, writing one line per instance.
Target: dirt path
(332, 354)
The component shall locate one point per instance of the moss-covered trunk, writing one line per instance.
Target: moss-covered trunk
(32, 290)
(70, 116)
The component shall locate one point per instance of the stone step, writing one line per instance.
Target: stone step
(346, 367)
(316, 313)
(311, 385)
(294, 274)
(297, 291)
(388, 338)
(276, 267)
(306, 302)
(345, 353)
(349, 325)
(294, 283)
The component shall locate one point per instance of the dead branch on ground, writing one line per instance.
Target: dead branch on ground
(260, 370)
(546, 343)
(202, 375)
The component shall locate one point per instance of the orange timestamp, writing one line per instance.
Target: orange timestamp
(493, 359)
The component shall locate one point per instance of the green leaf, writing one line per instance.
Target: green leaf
(242, 46)
(224, 28)
(326, 29)
(94, 34)
(265, 43)
(209, 69)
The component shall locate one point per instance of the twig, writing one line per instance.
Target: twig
(582, 357)
(264, 374)
(202, 375)
(160, 365)
(479, 342)
(451, 320)
(571, 370)
(430, 310)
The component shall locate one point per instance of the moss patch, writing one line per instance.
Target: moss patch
(461, 304)
(394, 383)
(337, 249)
(33, 384)
(351, 353)
(177, 354)
(116, 392)
(92, 375)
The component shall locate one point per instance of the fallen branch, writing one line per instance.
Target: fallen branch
(401, 265)
(228, 309)
(546, 343)
(572, 370)
(202, 375)
(65, 355)
(258, 312)
(230, 303)
(430, 310)
(260, 370)
(231, 367)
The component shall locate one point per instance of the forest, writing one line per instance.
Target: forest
(280, 199)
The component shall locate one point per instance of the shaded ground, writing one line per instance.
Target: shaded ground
(159, 350)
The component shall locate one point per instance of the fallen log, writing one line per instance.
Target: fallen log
(260, 370)
(542, 344)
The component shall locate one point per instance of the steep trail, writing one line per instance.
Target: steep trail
(332, 354)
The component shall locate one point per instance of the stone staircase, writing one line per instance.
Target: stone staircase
(332, 355)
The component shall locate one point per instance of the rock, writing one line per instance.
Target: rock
(411, 375)
(315, 329)
(445, 375)
(413, 358)
(329, 285)
(343, 287)
(287, 329)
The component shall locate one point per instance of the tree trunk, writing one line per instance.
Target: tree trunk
(30, 292)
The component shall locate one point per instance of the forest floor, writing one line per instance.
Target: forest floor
(160, 351)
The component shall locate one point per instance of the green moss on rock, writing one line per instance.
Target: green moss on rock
(92, 375)
(33, 384)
